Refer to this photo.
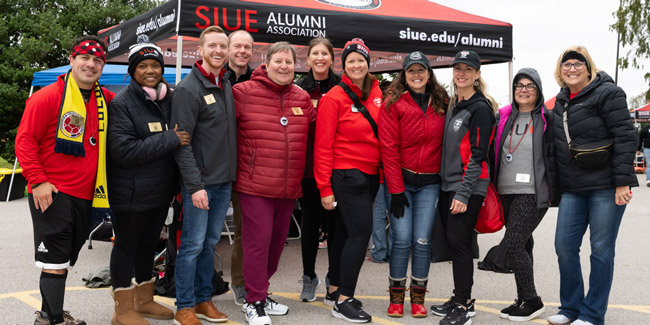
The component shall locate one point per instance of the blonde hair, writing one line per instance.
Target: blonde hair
(591, 65)
(211, 29)
(482, 87)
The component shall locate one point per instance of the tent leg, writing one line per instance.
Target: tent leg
(179, 58)
(510, 76)
(11, 182)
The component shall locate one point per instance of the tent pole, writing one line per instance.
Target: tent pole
(11, 182)
(510, 78)
(13, 172)
(179, 58)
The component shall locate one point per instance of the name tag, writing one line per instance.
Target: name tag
(314, 102)
(209, 99)
(155, 127)
(522, 178)
(296, 110)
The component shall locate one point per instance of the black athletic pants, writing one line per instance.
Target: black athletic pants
(354, 192)
(459, 229)
(313, 216)
(136, 237)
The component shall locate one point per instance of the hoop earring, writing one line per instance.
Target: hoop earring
(476, 83)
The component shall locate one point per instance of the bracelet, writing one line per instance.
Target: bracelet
(36, 185)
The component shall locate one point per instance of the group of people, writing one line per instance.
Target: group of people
(253, 137)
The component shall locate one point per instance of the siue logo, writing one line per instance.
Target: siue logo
(353, 4)
(457, 124)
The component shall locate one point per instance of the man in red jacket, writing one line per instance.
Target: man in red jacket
(58, 146)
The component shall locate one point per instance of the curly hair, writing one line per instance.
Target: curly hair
(437, 93)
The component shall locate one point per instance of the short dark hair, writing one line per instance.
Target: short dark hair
(95, 38)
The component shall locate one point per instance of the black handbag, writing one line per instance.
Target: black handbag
(592, 155)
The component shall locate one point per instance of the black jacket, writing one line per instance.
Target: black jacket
(207, 112)
(598, 112)
(469, 127)
(142, 174)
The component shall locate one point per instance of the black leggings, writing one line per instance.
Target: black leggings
(522, 218)
(354, 192)
(313, 216)
(136, 237)
(459, 229)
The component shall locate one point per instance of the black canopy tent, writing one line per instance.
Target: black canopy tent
(390, 28)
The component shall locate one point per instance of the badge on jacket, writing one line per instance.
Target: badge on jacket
(155, 127)
(296, 110)
(209, 99)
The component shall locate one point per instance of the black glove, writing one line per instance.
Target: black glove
(397, 203)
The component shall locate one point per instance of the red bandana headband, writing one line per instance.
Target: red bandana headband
(89, 47)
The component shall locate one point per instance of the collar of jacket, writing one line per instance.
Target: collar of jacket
(310, 83)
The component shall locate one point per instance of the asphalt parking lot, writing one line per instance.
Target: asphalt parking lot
(628, 304)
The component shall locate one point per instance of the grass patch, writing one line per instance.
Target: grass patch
(5, 164)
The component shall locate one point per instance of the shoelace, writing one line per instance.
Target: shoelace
(259, 308)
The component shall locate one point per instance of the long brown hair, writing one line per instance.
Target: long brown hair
(437, 94)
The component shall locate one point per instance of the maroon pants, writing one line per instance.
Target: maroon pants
(265, 225)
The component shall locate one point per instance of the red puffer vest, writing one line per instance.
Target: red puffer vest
(409, 139)
(270, 155)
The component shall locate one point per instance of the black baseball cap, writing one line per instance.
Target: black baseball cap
(415, 57)
(468, 57)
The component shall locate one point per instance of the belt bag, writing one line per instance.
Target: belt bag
(592, 155)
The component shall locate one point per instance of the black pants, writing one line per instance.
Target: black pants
(313, 217)
(136, 236)
(459, 229)
(522, 218)
(354, 192)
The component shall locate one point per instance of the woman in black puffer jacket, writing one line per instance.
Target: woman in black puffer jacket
(594, 194)
(142, 178)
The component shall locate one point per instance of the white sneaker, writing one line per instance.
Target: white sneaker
(255, 313)
(559, 319)
(274, 308)
(581, 322)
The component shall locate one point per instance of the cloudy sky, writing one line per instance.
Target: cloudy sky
(542, 29)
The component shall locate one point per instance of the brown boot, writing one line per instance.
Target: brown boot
(418, 290)
(144, 304)
(397, 290)
(206, 310)
(186, 316)
(124, 313)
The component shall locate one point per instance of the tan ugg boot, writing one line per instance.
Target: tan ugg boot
(144, 304)
(124, 313)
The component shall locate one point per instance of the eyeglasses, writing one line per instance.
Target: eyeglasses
(566, 66)
(520, 86)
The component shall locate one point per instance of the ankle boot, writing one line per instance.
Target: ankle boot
(396, 289)
(124, 313)
(144, 304)
(418, 290)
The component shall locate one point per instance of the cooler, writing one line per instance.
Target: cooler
(18, 187)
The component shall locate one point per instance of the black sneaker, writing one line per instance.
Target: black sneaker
(506, 311)
(444, 309)
(457, 316)
(332, 298)
(350, 311)
(527, 310)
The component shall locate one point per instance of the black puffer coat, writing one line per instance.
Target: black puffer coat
(598, 112)
(142, 173)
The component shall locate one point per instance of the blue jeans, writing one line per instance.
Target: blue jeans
(597, 210)
(381, 244)
(646, 159)
(413, 232)
(200, 234)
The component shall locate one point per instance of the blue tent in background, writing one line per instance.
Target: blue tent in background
(113, 75)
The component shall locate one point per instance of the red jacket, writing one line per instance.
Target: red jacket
(410, 139)
(271, 156)
(35, 141)
(344, 139)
